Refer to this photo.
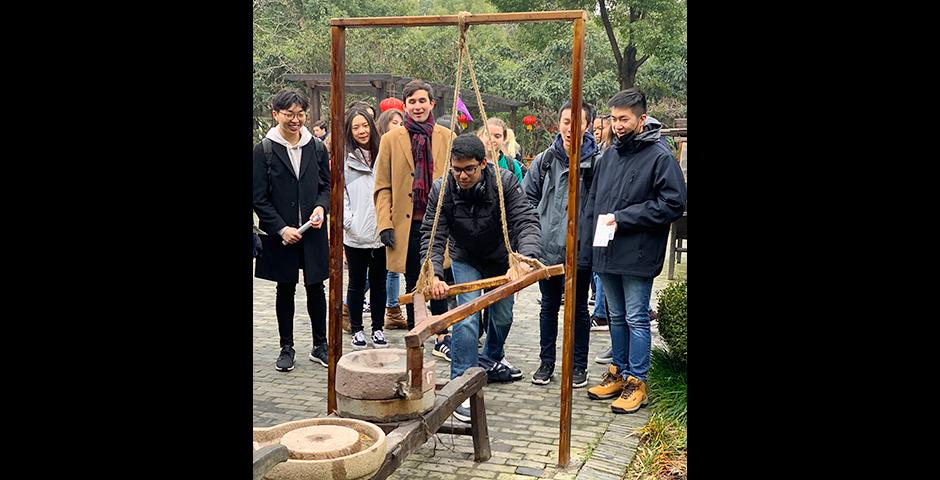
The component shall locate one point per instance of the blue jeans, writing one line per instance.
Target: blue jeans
(392, 287)
(600, 303)
(628, 300)
(463, 345)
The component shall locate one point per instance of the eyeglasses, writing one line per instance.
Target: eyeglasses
(468, 170)
(292, 116)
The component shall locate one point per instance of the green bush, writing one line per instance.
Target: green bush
(672, 310)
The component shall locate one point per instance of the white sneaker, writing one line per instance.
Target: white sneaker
(358, 340)
(378, 339)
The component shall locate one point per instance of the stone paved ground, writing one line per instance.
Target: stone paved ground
(522, 417)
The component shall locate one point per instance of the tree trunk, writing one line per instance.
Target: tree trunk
(628, 68)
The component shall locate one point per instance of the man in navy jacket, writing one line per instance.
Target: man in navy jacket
(637, 189)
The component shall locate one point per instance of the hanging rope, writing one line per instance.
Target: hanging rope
(426, 275)
(515, 271)
(515, 259)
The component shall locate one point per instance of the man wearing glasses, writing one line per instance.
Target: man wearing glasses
(291, 186)
(471, 222)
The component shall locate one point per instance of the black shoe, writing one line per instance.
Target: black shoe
(592, 300)
(285, 361)
(498, 373)
(544, 374)
(462, 412)
(513, 371)
(319, 354)
(579, 379)
(599, 324)
(442, 348)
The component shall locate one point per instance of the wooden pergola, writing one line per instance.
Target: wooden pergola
(383, 85)
(414, 342)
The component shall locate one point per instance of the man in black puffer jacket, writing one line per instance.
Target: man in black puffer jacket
(638, 190)
(470, 221)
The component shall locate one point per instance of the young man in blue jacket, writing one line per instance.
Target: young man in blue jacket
(639, 191)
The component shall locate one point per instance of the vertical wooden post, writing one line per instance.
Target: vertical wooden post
(571, 250)
(334, 307)
(315, 103)
(513, 123)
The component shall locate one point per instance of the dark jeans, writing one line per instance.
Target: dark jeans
(361, 261)
(316, 309)
(552, 289)
(412, 270)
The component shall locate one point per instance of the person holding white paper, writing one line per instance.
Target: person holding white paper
(638, 191)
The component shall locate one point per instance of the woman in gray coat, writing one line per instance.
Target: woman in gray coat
(365, 253)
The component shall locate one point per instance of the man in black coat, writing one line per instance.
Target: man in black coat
(291, 185)
(470, 220)
(638, 191)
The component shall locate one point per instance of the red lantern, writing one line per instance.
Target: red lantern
(528, 121)
(463, 120)
(390, 103)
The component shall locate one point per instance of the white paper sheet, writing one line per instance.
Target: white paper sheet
(604, 233)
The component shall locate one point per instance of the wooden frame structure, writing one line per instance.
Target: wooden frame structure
(338, 28)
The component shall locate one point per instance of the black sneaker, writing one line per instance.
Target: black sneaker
(605, 357)
(285, 361)
(462, 412)
(580, 378)
(378, 339)
(499, 373)
(593, 299)
(442, 348)
(319, 354)
(515, 372)
(599, 324)
(544, 374)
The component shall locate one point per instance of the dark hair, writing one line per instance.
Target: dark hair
(287, 97)
(351, 144)
(321, 124)
(415, 85)
(631, 98)
(587, 107)
(361, 105)
(382, 123)
(467, 146)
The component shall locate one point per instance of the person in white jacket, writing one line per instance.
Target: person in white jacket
(365, 253)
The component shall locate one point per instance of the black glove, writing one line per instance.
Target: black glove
(388, 237)
(256, 245)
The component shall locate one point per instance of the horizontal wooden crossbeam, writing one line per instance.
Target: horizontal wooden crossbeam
(478, 19)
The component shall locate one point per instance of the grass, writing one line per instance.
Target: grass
(661, 454)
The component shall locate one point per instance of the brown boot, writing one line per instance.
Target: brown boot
(632, 398)
(394, 319)
(347, 327)
(611, 385)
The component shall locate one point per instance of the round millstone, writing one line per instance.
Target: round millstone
(375, 374)
(321, 442)
(384, 411)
